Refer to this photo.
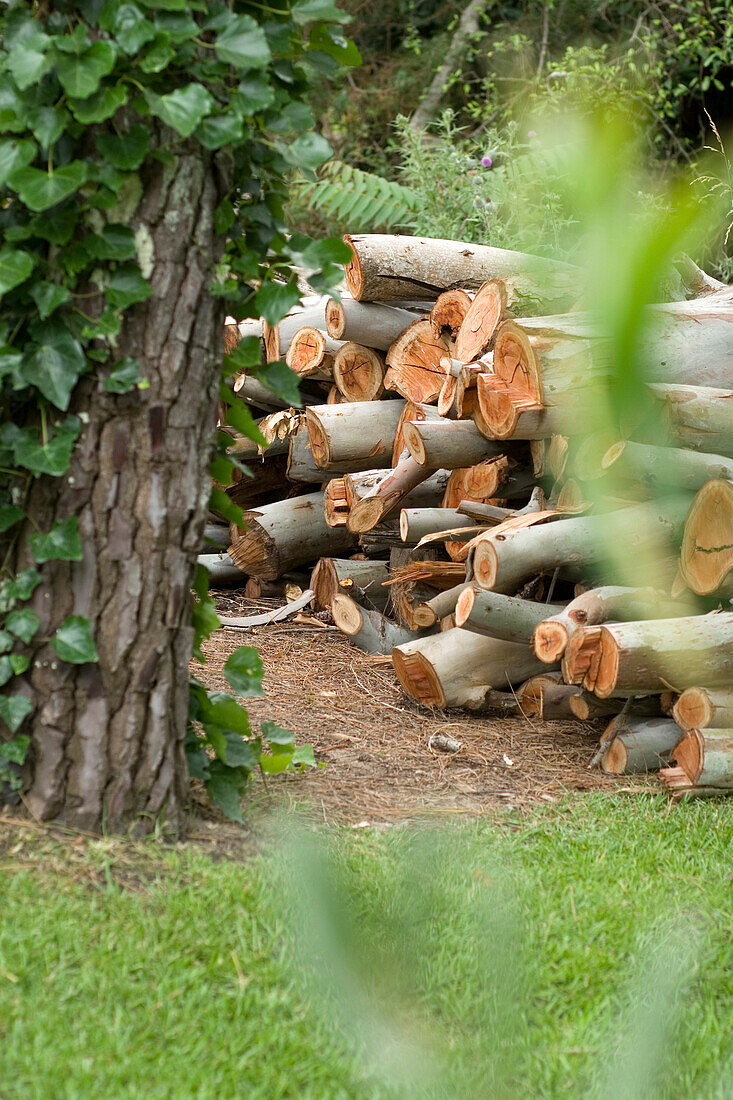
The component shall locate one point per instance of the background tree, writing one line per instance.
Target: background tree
(142, 178)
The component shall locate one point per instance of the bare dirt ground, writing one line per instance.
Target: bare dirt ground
(375, 741)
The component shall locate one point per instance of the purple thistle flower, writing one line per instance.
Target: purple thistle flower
(531, 133)
(487, 162)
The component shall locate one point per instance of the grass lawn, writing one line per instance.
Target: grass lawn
(582, 950)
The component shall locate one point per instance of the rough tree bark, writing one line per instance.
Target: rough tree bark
(107, 739)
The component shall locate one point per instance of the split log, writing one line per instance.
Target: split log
(392, 490)
(311, 353)
(448, 444)
(448, 313)
(284, 535)
(417, 523)
(698, 416)
(706, 758)
(634, 744)
(222, 570)
(706, 557)
(358, 372)
(369, 630)
(647, 657)
(546, 697)
(500, 616)
(639, 532)
(457, 668)
(436, 609)
(665, 466)
(333, 575)
(599, 605)
(384, 268)
(358, 435)
(481, 321)
(704, 708)
(414, 363)
(368, 323)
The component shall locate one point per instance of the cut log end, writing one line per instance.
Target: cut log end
(550, 641)
(515, 361)
(354, 271)
(306, 352)
(347, 614)
(365, 515)
(613, 454)
(481, 321)
(358, 372)
(318, 438)
(614, 759)
(335, 319)
(414, 443)
(581, 654)
(706, 557)
(693, 709)
(689, 754)
(580, 707)
(418, 679)
(485, 565)
(449, 311)
(464, 606)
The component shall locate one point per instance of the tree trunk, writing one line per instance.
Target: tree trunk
(500, 616)
(385, 268)
(367, 323)
(359, 434)
(467, 29)
(458, 669)
(706, 557)
(107, 739)
(655, 656)
(703, 708)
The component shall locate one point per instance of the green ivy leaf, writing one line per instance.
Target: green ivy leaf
(48, 297)
(304, 756)
(158, 55)
(308, 11)
(51, 457)
(128, 25)
(281, 380)
(73, 641)
(48, 124)
(218, 130)
(24, 584)
(6, 671)
(15, 267)
(125, 151)
(127, 286)
(12, 107)
(239, 417)
(225, 712)
(62, 543)
(115, 242)
(13, 709)
(274, 300)
(335, 44)
(15, 153)
(40, 190)
(243, 671)
(240, 753)
(124, 376)
(101, 105)
(19, 663)
(54, 364)
(27, 62)
(9, 516)
(6, 641)
(15, 750)
(277, 738)
(224, 788)
(23, 624)
(255, 93)
(80, 74)
(182, 109)
(220, 502)
(308, 151)
(243, 43)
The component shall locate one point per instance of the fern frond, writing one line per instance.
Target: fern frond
(363, 199)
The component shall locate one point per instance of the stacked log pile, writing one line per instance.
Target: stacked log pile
(470, 509)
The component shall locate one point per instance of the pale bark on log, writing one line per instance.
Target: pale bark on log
(332, 575)
(637, 745)
(706, 555)
(222, 569)
(369, 630)
(651, 657)
(457, 668)
(436, 609)
(416, 523)
(665, 466)
(368, 323)
(282, 536)
(698, 416)
(384, 268)
(301, 463)
(448, 444)
(215, 534)
(411, 413)
(546, 697)
(704, 708)
(253, 392)
(598, 605)
(500, 616)
(638, 533)
(358, 434)
(395, 487)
